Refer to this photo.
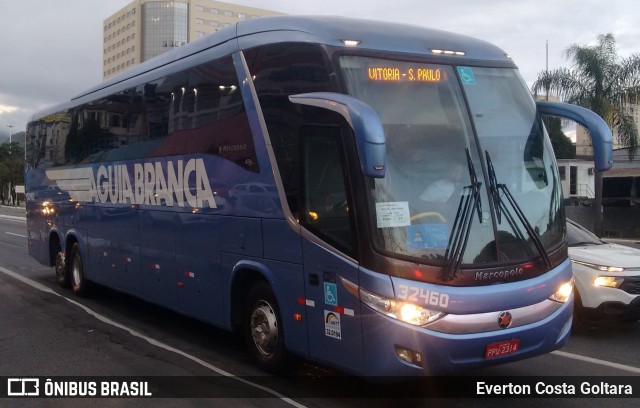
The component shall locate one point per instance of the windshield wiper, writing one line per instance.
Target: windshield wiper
(500, 206)
(469, 200)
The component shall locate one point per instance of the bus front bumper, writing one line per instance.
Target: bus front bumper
(394, 348)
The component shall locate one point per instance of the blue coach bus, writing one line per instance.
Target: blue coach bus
(376, 197)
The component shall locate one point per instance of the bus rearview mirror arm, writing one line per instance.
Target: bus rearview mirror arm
(364, 121)
(597, 127)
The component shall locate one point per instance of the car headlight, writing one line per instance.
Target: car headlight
(602, 268)
(608, 281)
(403, 311)
(564, 292)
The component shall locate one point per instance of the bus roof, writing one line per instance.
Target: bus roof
(372, 35)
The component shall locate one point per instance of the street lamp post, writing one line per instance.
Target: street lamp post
(10, 132)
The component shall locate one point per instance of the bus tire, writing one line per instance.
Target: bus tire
(262, 329)
(62, 272)
(79, 283)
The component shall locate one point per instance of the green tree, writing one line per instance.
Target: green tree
(601, 81)
(562, 145)
(11, 167)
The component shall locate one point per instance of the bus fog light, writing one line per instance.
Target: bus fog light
(564, 292)
(410, 356)
(607, 281)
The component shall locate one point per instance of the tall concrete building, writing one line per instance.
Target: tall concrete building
(583, 139)
(146, 28)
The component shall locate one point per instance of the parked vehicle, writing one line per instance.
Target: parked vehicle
(607, 276)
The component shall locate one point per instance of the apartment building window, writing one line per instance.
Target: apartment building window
(213, 11)
(242, 16)
(199, 21)
(214, 23)
(199, 8)
(199, 34)
(163, 23)
(228, 13)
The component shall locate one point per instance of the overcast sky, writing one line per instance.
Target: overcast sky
(52, 50)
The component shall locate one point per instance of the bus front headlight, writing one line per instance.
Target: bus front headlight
(403, 311)
(564, 292)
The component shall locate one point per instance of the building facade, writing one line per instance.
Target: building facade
(144, 29)
(583, 140)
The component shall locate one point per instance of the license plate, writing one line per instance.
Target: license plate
(502, 348)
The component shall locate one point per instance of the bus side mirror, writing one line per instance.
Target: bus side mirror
(597, 127)
(364, 121)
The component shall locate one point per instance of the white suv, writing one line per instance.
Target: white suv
(607, 276)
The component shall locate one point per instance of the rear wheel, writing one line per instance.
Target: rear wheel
(262, 328)
(62, 272)
(76, 270)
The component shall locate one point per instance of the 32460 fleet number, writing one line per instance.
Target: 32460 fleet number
(422, 295)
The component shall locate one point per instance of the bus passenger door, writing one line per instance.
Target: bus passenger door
(333, 315)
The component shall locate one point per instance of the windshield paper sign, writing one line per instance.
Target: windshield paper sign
(392, 214)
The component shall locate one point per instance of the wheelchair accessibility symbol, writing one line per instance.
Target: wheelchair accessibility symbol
(331, 294)
(466, 76)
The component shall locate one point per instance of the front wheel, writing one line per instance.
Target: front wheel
(262, 328)
(79, 283)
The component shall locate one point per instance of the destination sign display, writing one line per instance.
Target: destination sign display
(406, 74)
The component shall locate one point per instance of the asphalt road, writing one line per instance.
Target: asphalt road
(47, 332)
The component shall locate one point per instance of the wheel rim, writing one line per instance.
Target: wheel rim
(264, 328)
(60, 265)
(77, 271)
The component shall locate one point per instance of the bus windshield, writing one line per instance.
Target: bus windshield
(480, 177)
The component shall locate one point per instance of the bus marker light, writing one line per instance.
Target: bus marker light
(351, 43)
(437, 51)
(297, 317)
(180, 284)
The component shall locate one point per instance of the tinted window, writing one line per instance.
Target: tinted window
(197, 111)
(281, 70)
(325, 207)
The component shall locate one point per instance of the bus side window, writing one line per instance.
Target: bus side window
(325, 208)
(281, 70)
